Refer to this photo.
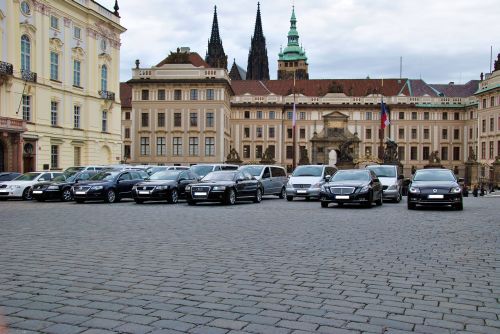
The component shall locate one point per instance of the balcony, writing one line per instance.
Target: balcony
(107, 95)
(29, 76)
(6, 68)
(12, 125)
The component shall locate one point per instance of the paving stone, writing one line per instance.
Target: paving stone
(63, 329)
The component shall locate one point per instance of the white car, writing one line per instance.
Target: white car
(21, 187)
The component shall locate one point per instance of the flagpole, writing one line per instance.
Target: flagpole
(381, 132)
(294, 121)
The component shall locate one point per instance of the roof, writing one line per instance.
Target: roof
(178, 57)
(237, 72)
(126, 95)
(452, 90)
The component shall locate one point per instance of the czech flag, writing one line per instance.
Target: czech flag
(384, 115)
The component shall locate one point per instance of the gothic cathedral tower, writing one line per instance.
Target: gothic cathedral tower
(215, 56)
(293, 61)
(258, 64)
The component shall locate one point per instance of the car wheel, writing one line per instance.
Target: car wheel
(398, 198)
(324, 204)
(40, 200)
(411, 206)
(459, 206)
(138, 201)
(380, 201)
(308, 198)
(368, 204)
(282, 194)
(173, 197)
(258, 196)
(230, 197)
(289, 198)
(66, 195)
(191, 203)
(79, 201)
(28, 194)
(110, 196)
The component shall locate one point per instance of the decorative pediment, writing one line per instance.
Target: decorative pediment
(337, 115)
(105, 58)
(56, 44)
(78, 53)
(28, 28)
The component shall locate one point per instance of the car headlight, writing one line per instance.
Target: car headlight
(53, 188)
(97, 188)
(161, 187)
(14, 187)
(455, 190)
(219, 188)
(393, 187)
(365, 189)
(414, 190)
(317, 185)
(289, 185)
(188, 187)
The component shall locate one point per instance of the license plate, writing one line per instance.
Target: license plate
(143, 192)
(79, 192)
(342, 197)
(301, 191)
(436, 196)
(37, 192)
(199, 193)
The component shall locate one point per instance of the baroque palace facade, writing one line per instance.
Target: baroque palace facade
(59, 72)
(188, 110)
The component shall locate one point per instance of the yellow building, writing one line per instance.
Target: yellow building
(59, 75)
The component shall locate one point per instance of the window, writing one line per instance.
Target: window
(456, 153)
(483, 150)
(127, 115)
(401, 153)
(193, 119)
(27, 108)
(492, 101)
(413, 115)
(258, 152)
(302, 115)
(25, 53)
(247, 114)
(177, 95)
(126, 152)
(471, 134)
(456, 116)
(210, 94)
(368, 151)
(425, 152)
(444, 134)
(177, 146)
(413, 153)
(104, 121)
(144, 145)
(54, 156)
(161, 148)
(246, 132)
(54, 65)
(492, 124)
(289, 133)
(54, 22)
(76, 117)
(445, 115)
(161, 94)
(444, 153)
(193, 95)
(289, 152)
(259, 132)
(271, 132)
(368, 116)
(209, 146)
(401, 115)
(401, 133)
(193, 146)
(426, 133)
(491, 150)
(289, 115)
(484, 103)
(145, 94)
(368, 134)
(302, 133)
(246, 151)
(161, 119)
(53, 113)
(413, 133)
(104, 78)
(426, 115)
(25, 8)
(127, 132)
(272, 115)
(210, 119)
(144, 119)
(456, 134)
(177, 119)
(483, 123)
(259, 114)
(272, 152)
(77, 32)
(77, 156)
(77, 65)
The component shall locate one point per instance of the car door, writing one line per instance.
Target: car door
(278, 177)
(240, 185)
(376, 184)
(251, 184)
(267, 181)
(124, 184)
(183, 180)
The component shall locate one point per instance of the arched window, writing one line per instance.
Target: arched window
(25, 53)
(104, 78)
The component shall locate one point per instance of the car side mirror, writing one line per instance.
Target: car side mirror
(401, 177)
(376, 180)
(460, 179)
(239, 180)
(327, 178)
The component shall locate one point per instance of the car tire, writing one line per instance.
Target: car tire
(173, 197)
(324, 204)
(340, 204)
(411, 206)
(368, 204)
(398, 198)
(111, 196)
(282, 194)
(40, 200)
(258, 196)
(27, 194)
(459, 206)
(191, 203)
(289, 198)
(230, 197)
(66, 195)
(380, 201)
(138, 201)
(79, 201)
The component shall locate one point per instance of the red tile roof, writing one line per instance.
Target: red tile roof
(126, 95)
(193, 58)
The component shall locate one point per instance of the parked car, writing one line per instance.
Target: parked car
(272, 178)
(167, 185)
(21, 187)
(391, 179)
(226, 187)
(352, 186)
(306, 181)
(82, 168)
(203, 169)
(8, 176)
(60, 187)
(110, 186)
(436, 187)
(155, 169)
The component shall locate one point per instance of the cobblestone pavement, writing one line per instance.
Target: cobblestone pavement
(274, 267)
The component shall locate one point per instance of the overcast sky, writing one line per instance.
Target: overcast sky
(440, 40)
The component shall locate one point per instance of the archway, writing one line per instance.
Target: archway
(106, 154)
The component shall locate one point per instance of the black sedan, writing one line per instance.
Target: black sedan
(226, 187)
(166, 185)
(352, 186)
(435, 187)
(60, 187)
(109, 186)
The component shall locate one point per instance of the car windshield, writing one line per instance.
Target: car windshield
(152, 170)
(383, 171)
(104, 176)
(308, 171)
(63, 177)
(351, 175)
(433, 175)
(166, 175)
(27, 177)
(202, 169)
(253, 170)
(219, 176)
(74, 169)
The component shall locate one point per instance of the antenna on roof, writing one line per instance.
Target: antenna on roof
(400, 67)
(491, 56)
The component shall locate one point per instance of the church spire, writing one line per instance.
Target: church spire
(215, 54)
(258, 65)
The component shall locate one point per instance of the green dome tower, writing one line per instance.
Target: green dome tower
(293, 59)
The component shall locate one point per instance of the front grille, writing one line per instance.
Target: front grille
(439, 191)
(342, 190)
(145, 188)
(3, 186)
(201, 188)
(301, 186)
(82, 188)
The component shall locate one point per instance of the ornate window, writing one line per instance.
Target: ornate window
(77, 65)
(210, 119)
(53, 113)
(54, 156)
(25, 8)
(54, 65)
(76, 117)
(25, 53)
(104, 78)
(209, 146)
(104, 121)
(54, 22)
(27, 108)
